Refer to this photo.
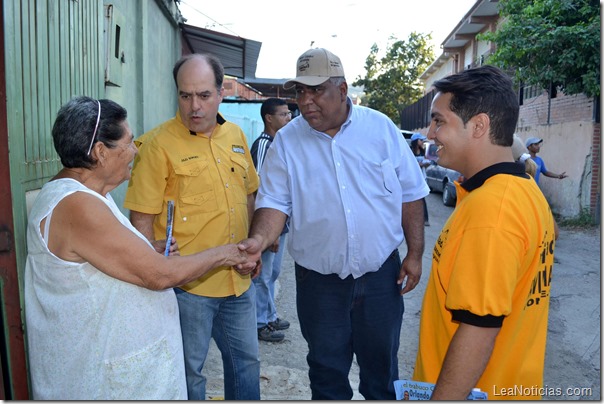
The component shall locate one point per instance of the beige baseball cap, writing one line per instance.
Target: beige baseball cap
(315, 67)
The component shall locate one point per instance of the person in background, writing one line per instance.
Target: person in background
(419, 151)
(101, 314)
(275, 114)
(522, 156)
(533, 144)
(201, 162)
(485, 310)
(352, 190)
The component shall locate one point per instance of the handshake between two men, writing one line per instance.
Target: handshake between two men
(252, 249)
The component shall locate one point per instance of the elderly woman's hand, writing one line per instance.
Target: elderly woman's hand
(160, 246)
(253, 266)
(234, 255)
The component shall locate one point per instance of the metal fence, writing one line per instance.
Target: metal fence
(417, 116)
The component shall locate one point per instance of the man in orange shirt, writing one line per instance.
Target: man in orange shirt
(485, 310)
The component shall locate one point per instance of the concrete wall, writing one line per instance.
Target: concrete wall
(565, 124)
(468, 56)
(143, 83)
(146, 88)
(566, 148)
(445, 70)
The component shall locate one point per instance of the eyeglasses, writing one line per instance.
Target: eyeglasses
(284, 114)
(96, 127)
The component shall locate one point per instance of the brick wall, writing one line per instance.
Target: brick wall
(235, 89)
(594, 200)
(563, 108)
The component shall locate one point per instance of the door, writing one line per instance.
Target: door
(13, 383)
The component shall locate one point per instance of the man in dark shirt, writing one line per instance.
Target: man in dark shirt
(275, 114)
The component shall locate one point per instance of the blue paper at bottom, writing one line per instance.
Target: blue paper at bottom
(412, 390)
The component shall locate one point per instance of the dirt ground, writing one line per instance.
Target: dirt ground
(573, 358)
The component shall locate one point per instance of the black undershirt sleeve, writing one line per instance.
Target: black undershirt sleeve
(464, 316)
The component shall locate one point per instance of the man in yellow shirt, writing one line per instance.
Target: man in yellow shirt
(485, 310)
(201, 162)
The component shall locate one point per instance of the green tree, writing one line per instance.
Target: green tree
(392, 82)
(550, 43)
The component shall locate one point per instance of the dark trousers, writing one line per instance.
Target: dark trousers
(342, 317)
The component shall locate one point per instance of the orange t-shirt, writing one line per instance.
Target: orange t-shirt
(494, 257)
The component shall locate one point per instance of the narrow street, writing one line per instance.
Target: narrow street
(573, 346)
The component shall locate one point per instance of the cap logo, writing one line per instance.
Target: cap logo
(305, 66)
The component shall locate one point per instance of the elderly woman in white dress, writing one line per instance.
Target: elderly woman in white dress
(101, 315)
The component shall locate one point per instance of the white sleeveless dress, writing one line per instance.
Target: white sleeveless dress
(91, 336)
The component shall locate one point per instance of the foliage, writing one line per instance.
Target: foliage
(582, 220)
(392, 82)
(550, 42)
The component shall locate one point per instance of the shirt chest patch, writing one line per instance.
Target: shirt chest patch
(238, 149)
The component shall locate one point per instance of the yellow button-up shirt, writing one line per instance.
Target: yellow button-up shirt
(209, 179)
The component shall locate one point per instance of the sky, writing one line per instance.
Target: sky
(348, 28)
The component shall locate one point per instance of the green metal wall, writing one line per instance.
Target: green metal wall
(57, 49)
(53, 51)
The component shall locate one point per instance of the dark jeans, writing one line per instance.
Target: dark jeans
(342, 317)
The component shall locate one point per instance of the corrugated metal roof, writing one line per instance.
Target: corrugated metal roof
(271, 87)
(238, 55)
